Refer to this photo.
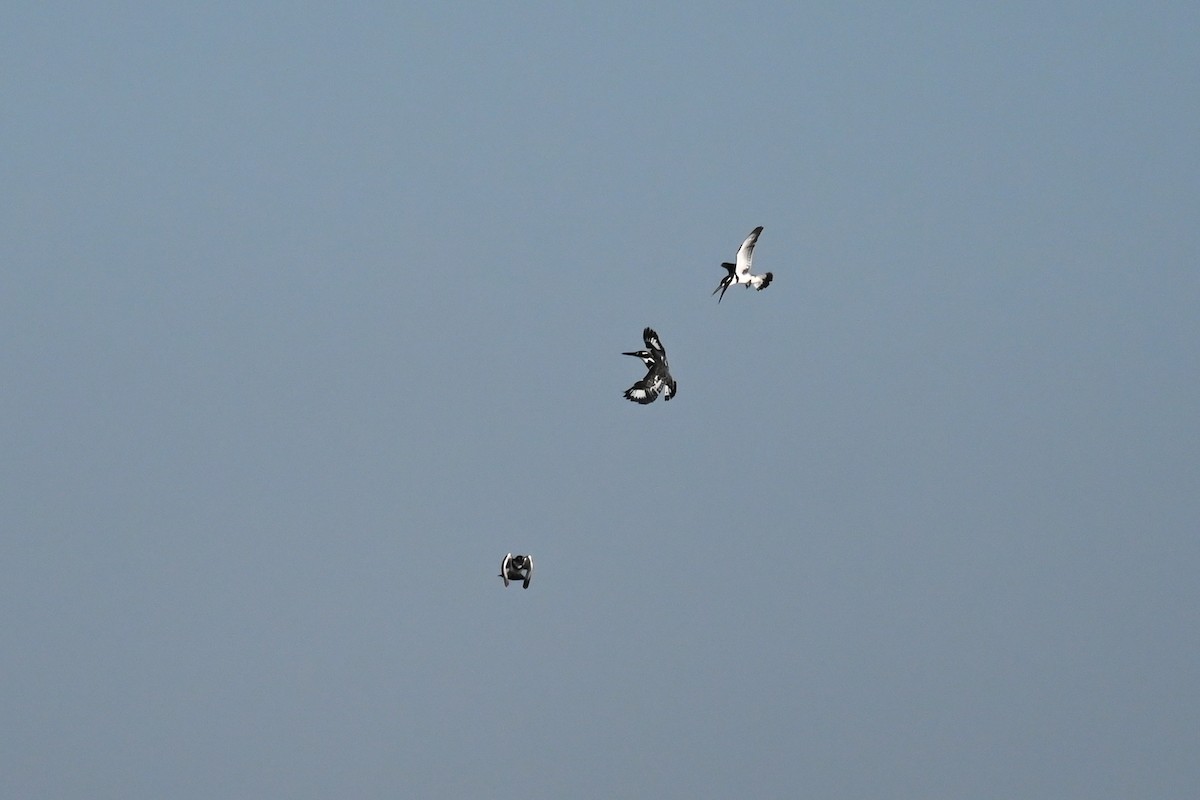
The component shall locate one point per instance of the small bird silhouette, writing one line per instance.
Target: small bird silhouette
(658, 378)
(739, 273)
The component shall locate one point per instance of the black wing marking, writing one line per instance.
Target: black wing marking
(642, 392)
(653, 342)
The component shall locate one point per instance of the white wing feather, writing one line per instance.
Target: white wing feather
(745, 254)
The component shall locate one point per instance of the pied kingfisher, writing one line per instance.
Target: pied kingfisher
(517, 568)
(658, 378)
(740, 272)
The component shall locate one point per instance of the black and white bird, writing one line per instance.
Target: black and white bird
(517, 568)
(658, 378)
(739, 273)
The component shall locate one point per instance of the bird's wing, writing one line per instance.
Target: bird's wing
(642, 392)
(745, 254)
(504, 568)
(653, 342)
(529, 574)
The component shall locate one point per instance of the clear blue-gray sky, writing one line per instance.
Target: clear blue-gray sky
(312, 312)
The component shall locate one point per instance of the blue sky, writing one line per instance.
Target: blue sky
(312, 313)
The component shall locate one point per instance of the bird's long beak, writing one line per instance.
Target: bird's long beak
(635, 355)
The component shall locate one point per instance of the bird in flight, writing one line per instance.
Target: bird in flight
(739, 273)
(658, 378)
(517, 568)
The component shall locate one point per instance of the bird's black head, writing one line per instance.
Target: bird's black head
(645, 355)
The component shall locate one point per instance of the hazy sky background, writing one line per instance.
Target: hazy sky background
(312, 312)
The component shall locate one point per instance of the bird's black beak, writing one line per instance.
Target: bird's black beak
(635, 355)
